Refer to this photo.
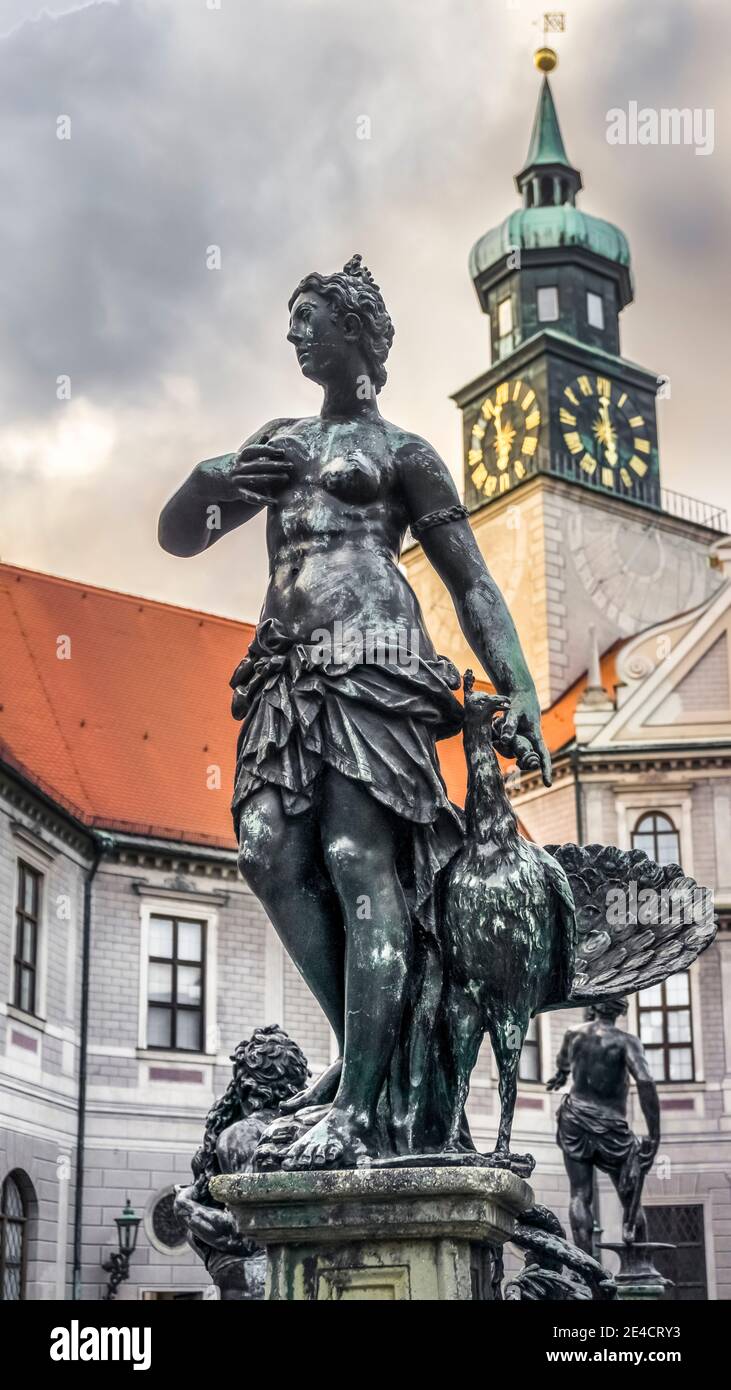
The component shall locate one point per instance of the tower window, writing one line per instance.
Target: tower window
(548, 304)
(505, 318)
(595, 309)
(546, 190)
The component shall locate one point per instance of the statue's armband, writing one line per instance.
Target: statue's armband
(438, 518)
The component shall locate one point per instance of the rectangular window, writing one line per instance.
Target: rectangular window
(27, 922)
(595, 309)
(505, 318)
(666, 1031)
(175, 981)
(548, 304)
(685, 1263)
(530, 1058)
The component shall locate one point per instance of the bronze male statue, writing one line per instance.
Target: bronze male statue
(592, 1119)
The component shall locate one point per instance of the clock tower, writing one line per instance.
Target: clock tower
(559, 398)
(561, 466)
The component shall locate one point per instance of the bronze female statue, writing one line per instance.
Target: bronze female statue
(342, 816)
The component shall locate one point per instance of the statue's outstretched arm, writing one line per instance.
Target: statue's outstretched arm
(431, 498)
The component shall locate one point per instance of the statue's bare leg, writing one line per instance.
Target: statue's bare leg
(629, 1191)
(466, 1030)
(360, 838)
(281, 860)
(581, 1213)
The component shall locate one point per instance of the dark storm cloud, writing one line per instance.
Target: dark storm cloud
(238, 128)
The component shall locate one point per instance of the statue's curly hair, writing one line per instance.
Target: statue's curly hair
(614, 1004)
(353, 290)
(268, 1068)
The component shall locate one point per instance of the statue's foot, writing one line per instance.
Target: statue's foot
(338, 1141)
(520, 1164)
(322, 1091)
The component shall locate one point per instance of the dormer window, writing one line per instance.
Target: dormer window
(595, 309)
(547, 302)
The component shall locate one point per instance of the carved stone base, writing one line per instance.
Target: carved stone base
(365, 1233)
(638, 1278)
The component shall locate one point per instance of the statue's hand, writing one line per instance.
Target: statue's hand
(648, 1149)
(556, 1081)
(259, 471)
(520, 734)
(255, 474)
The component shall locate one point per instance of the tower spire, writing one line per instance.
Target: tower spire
(548, 178)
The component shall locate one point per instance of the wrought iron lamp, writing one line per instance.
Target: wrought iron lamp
(117, 1266)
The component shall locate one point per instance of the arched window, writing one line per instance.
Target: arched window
(13, 1240)
(657, 835)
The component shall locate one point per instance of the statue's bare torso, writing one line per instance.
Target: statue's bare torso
(335, 536)
(599, 1065)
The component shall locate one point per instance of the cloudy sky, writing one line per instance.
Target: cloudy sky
(195, 123)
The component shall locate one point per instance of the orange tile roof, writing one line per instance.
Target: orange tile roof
(124, 732)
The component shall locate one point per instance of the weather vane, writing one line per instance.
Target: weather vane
(545, 58)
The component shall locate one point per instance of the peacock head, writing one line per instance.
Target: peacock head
(481, 708)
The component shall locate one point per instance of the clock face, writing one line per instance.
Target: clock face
(605, 432)
(504, 438)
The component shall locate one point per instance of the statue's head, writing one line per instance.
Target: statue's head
(339, 324)
(608, 1010)
(269, 1067)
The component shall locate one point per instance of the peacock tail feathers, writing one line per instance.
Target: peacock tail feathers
(637, 922)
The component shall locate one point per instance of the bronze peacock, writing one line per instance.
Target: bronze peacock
(528, 929)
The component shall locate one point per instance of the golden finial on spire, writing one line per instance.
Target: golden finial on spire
(545, 59)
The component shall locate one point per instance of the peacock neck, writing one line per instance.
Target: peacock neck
(488, 812)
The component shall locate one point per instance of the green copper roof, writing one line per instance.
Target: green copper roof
(546, 141)
(542, 228)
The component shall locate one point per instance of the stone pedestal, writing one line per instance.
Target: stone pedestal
(366, 1233)
(638, 1278)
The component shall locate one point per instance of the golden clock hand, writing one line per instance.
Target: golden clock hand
(606, 433)
(504, 436)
